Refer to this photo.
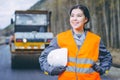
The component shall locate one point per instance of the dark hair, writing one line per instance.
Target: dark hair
(84, 9)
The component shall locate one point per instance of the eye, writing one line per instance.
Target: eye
(72, 15)
(79, 15)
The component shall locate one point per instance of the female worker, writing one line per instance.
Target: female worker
(85, 49)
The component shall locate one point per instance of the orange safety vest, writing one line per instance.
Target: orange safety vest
(80, 61)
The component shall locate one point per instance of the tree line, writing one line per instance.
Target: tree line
(105, 17)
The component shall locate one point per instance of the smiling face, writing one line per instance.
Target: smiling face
(77, 20)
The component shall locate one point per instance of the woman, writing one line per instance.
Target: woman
(85, 49)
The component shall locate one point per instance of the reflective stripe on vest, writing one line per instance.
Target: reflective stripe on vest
(80, 63)
(79, 70)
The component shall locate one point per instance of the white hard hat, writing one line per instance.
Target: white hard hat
(58, 57)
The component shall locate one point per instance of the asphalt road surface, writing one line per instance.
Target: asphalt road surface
(6, 73)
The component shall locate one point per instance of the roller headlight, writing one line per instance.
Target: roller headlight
(24, 40)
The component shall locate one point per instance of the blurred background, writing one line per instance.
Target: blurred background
(105, 21)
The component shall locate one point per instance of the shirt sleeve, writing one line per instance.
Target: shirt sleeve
(43, 57)
(105, 57)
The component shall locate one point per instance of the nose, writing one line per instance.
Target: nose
(75, 18)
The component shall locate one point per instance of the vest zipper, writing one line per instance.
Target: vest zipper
(76, 66)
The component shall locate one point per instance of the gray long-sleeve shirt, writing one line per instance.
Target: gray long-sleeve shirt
(105, 57)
